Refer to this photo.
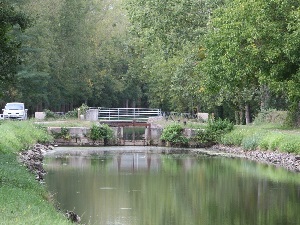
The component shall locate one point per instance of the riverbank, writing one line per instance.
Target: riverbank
(288, 161)
(23, 200)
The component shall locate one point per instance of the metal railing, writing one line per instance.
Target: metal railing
(127, 114)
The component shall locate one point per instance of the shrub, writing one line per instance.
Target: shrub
(72, 114)
(275, 141)
(251, 142)
(290, 144)
(271, 141)
(219, 125)
(270, 116)
(64, 133)
(50, 114)
(214, 131)
(205, 137)
(101, 132)
(83, 108)
(174, 135)
(233, 138)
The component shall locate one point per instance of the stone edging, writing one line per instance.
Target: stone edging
(288, 161)
(33, 160)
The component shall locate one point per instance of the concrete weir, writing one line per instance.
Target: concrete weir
(79, 136)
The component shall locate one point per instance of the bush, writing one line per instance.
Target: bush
(83, 109)
(271, 141)
(270, 116)
(50, 114)
(234, 138)
(219, 125)
(101, 132)
(251, 142)
(64, 133)
(290, 144)
(174, 135)
(214, 131)
(72, 114)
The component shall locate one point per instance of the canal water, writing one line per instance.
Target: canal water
(115, 187)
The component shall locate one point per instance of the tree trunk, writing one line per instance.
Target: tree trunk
(237, 118)
(247, 114)
(241, 116)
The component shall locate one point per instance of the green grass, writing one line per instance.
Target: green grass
(264, 137)
(65, 123)
(23, 200)
(18, 135)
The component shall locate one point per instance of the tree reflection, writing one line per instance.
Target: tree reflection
(143, 188)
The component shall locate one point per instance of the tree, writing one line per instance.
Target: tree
(166, 36)
(249, 48)
(73, 53)
(12, 22)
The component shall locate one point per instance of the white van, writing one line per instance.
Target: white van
(15, 110)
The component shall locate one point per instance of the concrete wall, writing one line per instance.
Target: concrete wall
(40, 115)
(80, 136)
(91, 115)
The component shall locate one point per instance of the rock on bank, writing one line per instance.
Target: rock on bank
(287, 160)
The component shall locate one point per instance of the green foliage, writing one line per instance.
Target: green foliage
(177, 55)
(74, 52)
(83, 108)
(242, 57)
(18, 135)
(236, 136)
(271, 141)
(213, 132)
(263, 137)
(71, 114)
(50, 114)
(166, 36)
(270, 116)
(64, 133)
(220, 125)
(251, 142)
(290, 143)
(12, 23)
(101, 132)
(174, 135)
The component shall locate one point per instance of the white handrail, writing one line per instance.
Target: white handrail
(127, 113)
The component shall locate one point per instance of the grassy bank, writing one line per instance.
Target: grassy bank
(264, 137)
(22, 199)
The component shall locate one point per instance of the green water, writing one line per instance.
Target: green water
(155, 189)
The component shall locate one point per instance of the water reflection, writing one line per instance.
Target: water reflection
(154, 189)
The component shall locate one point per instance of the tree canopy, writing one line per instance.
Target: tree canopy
(11, 22)
(251, 44)
(225, 56)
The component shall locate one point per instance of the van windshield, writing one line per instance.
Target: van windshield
(14, 107)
